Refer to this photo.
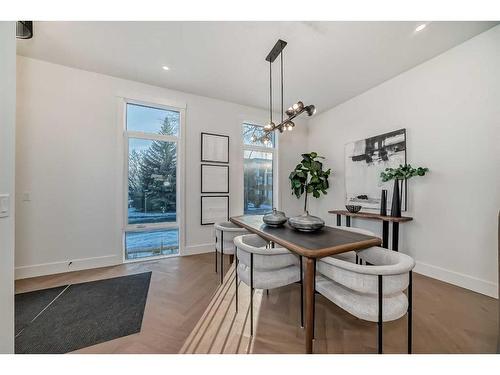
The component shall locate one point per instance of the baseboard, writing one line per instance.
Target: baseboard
(198, 249)
(465, 281)
(43, 269)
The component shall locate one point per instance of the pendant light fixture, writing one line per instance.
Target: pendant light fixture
(295, 110)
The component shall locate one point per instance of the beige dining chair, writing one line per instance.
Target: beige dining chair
(263, 266)
(225, 232)
(351, 256)
(372, 292)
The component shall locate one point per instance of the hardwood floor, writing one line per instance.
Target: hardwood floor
(188, 312)
(180, 290)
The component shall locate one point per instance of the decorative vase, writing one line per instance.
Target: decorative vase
(306, 222)
(383, 203)
(275, 218)
(396, 200)
(353, 208)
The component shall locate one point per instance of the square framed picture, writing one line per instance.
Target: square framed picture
(214, 178)
(214, 208)
(214, 148)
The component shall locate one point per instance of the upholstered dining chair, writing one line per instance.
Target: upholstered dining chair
(263, 266)
(225, 232)
(351, 255)
(372, 292)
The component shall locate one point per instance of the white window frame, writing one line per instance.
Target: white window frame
(180, 186)
(274, 150)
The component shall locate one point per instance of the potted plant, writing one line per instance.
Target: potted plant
(308, 177)
(403, 172)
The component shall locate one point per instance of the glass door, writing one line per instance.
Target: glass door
(152, 183)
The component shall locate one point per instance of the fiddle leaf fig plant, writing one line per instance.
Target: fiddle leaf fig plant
(403, 172)
(309, 177)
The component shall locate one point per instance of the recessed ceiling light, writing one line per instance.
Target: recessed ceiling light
(164, 67)
(420, 27)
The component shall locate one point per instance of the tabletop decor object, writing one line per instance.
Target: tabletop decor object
(275, 218)
(400, 174)
(352, 208)
(308, 177)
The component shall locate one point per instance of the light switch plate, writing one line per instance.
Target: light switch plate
(4, 205)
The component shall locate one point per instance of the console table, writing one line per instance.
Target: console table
(373, 216)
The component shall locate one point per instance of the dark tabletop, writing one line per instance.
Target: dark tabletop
(327, 241)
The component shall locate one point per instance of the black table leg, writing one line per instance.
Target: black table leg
(385, 234)
(339, 220)
(395, 235)
(347, 221)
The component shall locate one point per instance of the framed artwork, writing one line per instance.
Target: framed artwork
(365, 160)
(214, 178)
(214, 208)
(214, 148)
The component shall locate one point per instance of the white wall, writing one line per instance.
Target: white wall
(70, 158)
(7, 145)
(450, 106)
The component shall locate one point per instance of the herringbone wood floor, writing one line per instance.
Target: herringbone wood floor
(187, 311)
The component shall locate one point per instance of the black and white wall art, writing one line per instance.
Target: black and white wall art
(214, 178)
(214, 148)
(214, 209)
(365, 160)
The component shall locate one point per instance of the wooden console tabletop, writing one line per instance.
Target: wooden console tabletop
(373, 216)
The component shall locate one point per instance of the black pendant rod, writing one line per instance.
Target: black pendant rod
(281, 57)
(270, 93)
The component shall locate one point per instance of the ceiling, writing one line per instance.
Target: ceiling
(326, 63)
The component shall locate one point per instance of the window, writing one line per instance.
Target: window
(259, 168)
(152, 184)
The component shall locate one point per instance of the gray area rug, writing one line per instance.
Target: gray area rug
(67, 318)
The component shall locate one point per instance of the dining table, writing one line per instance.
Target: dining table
(311, 246)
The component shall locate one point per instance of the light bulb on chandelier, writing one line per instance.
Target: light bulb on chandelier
(269, 126)
(297, 107)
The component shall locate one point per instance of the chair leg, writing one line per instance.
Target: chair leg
(236, 278)
(231, 258)
(356, 258)
(301, 295)
(380, 316)
(222, 257)
(410, 307)
(267, 291)
(215, 252)
(251, 294)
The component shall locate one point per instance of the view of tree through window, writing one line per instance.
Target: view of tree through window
(258, 171)
(152, 181)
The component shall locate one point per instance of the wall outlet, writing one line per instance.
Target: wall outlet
(4, 205)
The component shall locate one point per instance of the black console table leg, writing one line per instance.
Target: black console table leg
(395, 235)
(347, 221)
(385, 234)
(339, 220)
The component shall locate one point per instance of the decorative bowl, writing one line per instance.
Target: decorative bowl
(275, 218)
(306, 222)
(353, 208)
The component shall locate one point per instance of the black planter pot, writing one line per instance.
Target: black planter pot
(396, 200)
